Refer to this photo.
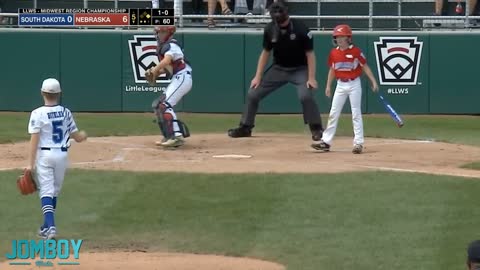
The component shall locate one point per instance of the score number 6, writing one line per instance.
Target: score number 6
(125, 19)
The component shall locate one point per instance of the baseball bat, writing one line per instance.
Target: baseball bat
(398, 120)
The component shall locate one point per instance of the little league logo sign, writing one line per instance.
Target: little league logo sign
(143, 54)
(42, 251)
(398, 60)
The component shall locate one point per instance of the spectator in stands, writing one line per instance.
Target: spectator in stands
(473, 256)
(197, 8)
(1, 10)
(158, 3)
(212, 5)
(440, 7)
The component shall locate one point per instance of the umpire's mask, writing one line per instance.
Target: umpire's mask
(278, 12)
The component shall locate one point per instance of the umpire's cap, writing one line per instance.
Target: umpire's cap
(51, 85)
(278, 6)
(474, 252)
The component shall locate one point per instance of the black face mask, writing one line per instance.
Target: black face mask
(278, 13)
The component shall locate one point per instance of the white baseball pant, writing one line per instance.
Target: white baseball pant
(353, 91)
(180, 85)
(50, 168)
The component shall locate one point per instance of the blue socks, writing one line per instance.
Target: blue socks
(48, 208)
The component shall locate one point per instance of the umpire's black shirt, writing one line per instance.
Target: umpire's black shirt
(290, 45)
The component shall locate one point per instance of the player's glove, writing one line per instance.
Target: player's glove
(25, 183)
(151, 76)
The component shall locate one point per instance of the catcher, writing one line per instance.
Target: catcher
(51, 126)
(173, 63)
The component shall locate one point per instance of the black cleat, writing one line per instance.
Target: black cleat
(317, 136)
(317, 132)
(241, 131)
(325, 147)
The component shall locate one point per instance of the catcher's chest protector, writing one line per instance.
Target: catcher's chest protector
(177, 64)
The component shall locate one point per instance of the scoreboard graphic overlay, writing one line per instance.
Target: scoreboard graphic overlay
(67, 17)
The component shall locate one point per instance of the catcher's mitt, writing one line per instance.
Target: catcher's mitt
(152, 76)
(25, 183)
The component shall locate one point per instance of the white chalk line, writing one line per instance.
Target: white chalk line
(97, 140)
(398, 142)
(342, 149)
(96, 162)
(417, 171)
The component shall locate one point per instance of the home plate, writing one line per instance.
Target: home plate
(232, 156)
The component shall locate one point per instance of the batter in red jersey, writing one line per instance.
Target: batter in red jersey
(347, 63)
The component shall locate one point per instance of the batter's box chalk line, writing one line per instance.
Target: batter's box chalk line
(232, 156)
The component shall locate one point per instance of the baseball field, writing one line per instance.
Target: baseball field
(410, 201)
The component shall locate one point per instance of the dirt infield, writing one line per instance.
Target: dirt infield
(215, 153)
(150, 261)
(269, 153)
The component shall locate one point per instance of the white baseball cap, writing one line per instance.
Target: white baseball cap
(51, 85)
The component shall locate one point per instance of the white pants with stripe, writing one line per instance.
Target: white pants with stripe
(180, 85)
(50, 168)
(353, 91)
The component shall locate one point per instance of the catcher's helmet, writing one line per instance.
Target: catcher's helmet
(342, 30)
(165, 28)
(164, 32)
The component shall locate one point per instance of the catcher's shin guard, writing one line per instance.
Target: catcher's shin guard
(164, 119)
(183, 128)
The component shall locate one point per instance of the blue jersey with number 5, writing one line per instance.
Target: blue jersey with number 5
(54, 125)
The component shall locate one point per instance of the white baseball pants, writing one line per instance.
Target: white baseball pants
(50, 170)
(353, 91)
(180, 85)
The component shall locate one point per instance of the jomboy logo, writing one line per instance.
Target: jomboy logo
(68, 251)
(398, 60)
(143, 54)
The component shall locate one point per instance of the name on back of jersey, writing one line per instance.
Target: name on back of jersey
(57, 114)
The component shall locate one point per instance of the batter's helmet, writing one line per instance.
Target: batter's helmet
(342, 30)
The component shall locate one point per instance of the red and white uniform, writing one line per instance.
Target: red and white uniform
(181, 82)
(347, 65)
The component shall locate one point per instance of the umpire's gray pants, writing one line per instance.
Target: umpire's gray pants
(274, 78)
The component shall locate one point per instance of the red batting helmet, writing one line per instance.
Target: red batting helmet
(342, 30)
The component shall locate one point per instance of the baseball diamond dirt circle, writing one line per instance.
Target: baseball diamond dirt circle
(263, 153)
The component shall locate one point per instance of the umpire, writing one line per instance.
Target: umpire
(293, 62)
(473, 255)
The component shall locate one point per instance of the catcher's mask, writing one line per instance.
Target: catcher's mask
(164, 33)
(342, 31)
(278, 12)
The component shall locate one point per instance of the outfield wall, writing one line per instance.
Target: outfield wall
(97, 70)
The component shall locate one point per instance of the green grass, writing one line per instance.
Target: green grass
(456, 129)
(472, 166)
(359, 221)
